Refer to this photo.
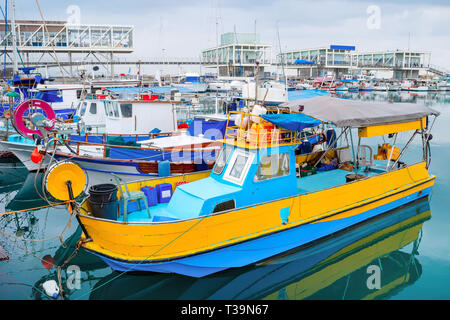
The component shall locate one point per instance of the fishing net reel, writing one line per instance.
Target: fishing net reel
(65, 181)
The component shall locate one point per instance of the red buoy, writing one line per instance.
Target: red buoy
(36, 156)
(48, 262)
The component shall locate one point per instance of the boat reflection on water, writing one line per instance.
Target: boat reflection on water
(29, 193)
(428, 98)
(334, 268)
(12, 176)
(88, 264)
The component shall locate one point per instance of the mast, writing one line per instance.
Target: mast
(14, 35)
(217, 57)
(282, 58)
(6, 42)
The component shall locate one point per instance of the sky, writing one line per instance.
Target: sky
(182, 29)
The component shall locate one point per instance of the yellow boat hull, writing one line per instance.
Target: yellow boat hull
(318, 213)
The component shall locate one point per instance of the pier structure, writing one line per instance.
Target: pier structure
(56, 43)
(239, 55)
(339, 60)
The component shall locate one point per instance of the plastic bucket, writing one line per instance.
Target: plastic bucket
(103, 193)
(107, 210)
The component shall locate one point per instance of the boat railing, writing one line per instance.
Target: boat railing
(138, 137)
(252, 131)
(77, 145)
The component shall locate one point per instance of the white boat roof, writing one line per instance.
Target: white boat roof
(215, 116)
(175, 141)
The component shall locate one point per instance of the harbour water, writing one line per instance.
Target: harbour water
(404, 254)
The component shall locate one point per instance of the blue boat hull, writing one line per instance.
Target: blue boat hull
(259, 249)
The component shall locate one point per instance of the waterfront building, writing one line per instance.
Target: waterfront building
(239, 55)
(339, 60)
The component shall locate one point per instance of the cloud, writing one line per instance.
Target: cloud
(185, 28)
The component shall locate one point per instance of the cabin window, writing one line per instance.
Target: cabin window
(116, 109)
(127, 110)
(93, 109)
(109, 109)
(222, 160)
(225, 206)
(82, 106)
(238, 167)
(112, 109)
(273, 166)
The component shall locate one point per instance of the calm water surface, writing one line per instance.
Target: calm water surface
(410, 246)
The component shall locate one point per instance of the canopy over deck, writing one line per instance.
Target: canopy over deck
(358, 114)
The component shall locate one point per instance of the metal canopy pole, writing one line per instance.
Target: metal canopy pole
(353, 154)
(329, 149)
(392, 151)
(404, 149)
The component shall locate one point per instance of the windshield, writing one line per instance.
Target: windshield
(222, 160)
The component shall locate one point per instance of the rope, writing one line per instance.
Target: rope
(23, 279)
(72, 255)
(50, 40)
(34, 209)
(140, 263)
(67, 226)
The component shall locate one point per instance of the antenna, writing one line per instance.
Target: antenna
(409, 40)
(281, 55)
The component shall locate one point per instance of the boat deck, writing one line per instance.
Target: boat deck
(328, 179)
(319, 181)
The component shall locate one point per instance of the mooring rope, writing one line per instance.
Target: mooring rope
(35, 209)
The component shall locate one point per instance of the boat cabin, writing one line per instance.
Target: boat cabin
(127, 117)
(286, 155)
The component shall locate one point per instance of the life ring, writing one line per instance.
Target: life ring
(25, 106)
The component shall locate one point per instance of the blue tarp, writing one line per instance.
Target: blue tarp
(214, 130)
(293, 121)
(49, 96)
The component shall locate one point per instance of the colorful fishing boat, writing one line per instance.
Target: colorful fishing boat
(335, 267)
(262, 199)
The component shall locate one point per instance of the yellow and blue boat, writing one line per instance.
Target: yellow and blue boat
(264, 197)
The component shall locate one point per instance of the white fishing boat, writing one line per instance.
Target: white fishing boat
(193, 82)
(380, 87)
(393, 87)
(269, 92)
(105, 117)
(304, 86)
(443, 85)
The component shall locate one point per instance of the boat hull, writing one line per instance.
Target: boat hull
(249, 235)
(257, 250)
(23, 152)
